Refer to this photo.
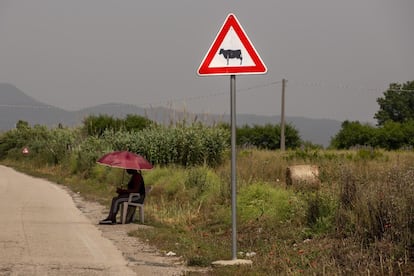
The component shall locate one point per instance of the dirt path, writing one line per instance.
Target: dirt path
(142, 258)
(46, 229)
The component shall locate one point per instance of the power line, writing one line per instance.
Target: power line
(212, 94)
(240, 90)
(346, 86)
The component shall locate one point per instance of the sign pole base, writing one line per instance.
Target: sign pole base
(232, 262)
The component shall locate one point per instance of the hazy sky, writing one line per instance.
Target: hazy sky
(338, 56)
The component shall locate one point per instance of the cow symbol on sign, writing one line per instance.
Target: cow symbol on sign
(228, 54)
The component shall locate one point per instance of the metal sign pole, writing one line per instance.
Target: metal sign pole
(216, 64)
(282, 118)
(233, 163)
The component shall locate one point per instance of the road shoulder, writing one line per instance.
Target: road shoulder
(142, 258)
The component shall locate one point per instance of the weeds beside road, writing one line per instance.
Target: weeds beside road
(360, 221)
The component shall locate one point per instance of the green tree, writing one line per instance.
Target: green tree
(96, 125)
(60, 143)
(352, 134)
(8, 140)
(136, 122)
(20, 125)
(390, 136)
(14, 139)
(267, 136)
(408, 130)
(397, 105)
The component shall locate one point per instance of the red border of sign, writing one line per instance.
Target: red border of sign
(259, 68)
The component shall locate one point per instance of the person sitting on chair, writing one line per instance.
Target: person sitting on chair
(135, 185)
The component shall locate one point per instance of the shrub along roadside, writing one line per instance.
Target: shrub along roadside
(184, 145)
(361, 220)
(300, 232)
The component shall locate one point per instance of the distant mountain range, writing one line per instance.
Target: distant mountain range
(15, 105)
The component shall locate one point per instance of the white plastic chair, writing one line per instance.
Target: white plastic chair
(125, 205)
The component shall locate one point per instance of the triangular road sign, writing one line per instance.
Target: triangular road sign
(231, 53)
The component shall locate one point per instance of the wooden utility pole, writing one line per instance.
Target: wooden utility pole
(282, 118)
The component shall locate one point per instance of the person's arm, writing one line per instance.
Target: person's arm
(136, 181)
(121, 191)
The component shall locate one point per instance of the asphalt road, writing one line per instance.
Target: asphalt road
(43, 233)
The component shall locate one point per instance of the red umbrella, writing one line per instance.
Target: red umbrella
(125, 160)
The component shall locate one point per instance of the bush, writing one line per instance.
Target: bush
(45, 146)
(136, 122)
(84, 158)
(374, 211)
(267, 136)
(390, 135)
(97, 125)
(320, 214)
(10, 141)
(353, 134)
(262, 201)
(182, 145)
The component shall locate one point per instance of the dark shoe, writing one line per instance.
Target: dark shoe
(107, 221)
